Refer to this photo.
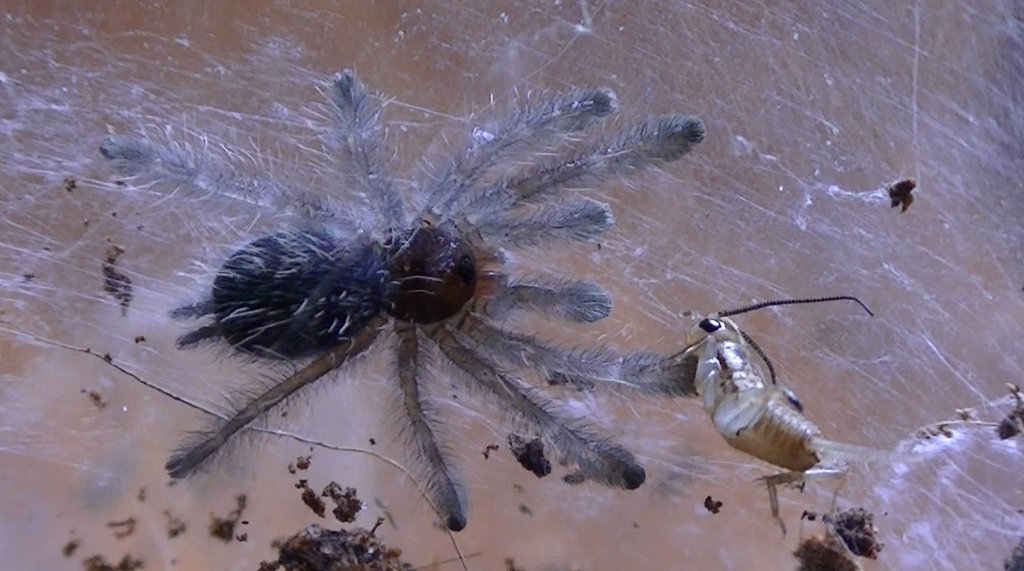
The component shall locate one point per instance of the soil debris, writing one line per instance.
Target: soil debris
(848, 535)
(900, 193)
(311, 499)
(856, 527)
(530, 454)
(175, 526)
(96, 398)
(70, 547)
(301, 463)
(712, 505)
(319, 549)
(99, 563)
(224, 528)
(116, 283)
(825, 554)
(346, 502)
(574, 479)
(1013, 423)
(123, 528)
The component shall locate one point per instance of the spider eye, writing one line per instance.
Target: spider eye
(710, 325)
(466, 269)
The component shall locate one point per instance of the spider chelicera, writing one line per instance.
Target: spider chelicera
(319, 293)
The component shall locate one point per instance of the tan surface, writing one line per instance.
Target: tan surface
(808, 109)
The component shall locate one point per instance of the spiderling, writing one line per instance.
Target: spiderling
(426, 285)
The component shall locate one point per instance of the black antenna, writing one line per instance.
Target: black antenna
(763, 304)
(750, 341)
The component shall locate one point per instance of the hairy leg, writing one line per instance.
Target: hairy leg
(442, 480)
(531, 127)
(576, 220)
(653, 142)
(597, 458)
(578, 301)
(359, 138)
(195, 452)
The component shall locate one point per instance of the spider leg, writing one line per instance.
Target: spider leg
(575, 220)
(184, 166)
(579, 301)
(196, 336)
(192, 310)
(442, 479)
(563, 114)
(597, 458)
(649, 143)
(187, 459)
(640, 371)
(358, 137)
(602, 369)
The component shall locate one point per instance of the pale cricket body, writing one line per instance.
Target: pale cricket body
(754, 414)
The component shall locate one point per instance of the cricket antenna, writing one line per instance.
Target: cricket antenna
(757, 349)
(772, 303)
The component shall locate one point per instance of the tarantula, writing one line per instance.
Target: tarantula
(316, 295)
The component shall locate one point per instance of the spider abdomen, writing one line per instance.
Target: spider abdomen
(295, 293)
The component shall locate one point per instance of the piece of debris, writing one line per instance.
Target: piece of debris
(510, 565)
(116, 283)
(310, 498)
(122, 528)
(141, 496)
(71, 547)
(319, 549)
(900, 193)
(488, 449)
(856, 527)
(809, 516)
(175, 526)
(825, 554)
(848, 534)
(96, 398)
(70, 184)
(574, 478)
(529, 454)
(1015, 562)
(242, 537)
(140, 338)
(98, 563)
(387, 513)
(346, 502)
(224, 528)
(712, 505)
(1013, 423)
(301, 463)
(27, 277)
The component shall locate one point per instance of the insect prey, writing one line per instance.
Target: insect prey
(753, 412)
